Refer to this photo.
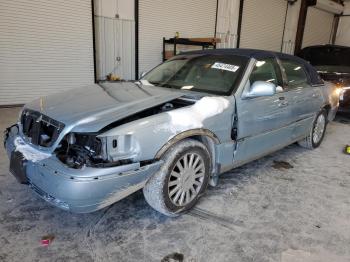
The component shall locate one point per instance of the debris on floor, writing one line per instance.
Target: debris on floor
(173, 257)
(47, 240)
(281, 165)
(347, 149)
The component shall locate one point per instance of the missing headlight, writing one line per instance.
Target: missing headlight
(80, 149)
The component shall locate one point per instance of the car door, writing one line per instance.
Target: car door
(303, 98)
(263, 123)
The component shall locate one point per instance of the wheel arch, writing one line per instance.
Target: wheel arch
(205, 136)
(327, 108)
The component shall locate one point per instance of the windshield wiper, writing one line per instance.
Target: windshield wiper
(140, 86)
(154, 83)
(167, 85)
(163, 84)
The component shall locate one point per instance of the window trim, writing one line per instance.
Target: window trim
(277, 68)
(249, 70)
(284, 74)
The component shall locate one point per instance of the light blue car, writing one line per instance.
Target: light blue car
(171, 133)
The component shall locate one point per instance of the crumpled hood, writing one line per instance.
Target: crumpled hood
(93, 107)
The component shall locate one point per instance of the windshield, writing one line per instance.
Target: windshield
(216, 74)
(328, 58)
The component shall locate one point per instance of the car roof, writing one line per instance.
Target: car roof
(251, 53)
(259, 54)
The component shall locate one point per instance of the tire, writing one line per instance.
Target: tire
(318, 127)
(171, 190)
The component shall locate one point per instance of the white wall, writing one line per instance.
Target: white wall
(123, 9)
(318, 27)
(263, 24)
(343, 33)
(162, 18)
(227, 22)
(115, 47)
(115, 38)
(291, 28)
(45, 47)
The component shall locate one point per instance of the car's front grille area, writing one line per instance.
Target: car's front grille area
(39, 128)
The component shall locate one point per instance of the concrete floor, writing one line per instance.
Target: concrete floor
(259, 212)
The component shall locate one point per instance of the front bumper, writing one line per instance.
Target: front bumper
(81, 190)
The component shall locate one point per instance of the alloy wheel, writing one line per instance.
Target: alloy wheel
(186, 179)
(319, 129)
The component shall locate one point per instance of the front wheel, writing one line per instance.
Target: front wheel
(316, 135)
(182, 179)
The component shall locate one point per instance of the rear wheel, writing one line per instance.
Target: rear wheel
(316, 135)
(182, 179)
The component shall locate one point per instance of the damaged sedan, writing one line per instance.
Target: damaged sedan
(171, 133)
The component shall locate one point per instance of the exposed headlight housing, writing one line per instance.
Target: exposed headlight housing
(89, 149)
(80, 149)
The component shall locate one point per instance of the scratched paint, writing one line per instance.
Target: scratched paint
(29, 152)
(194, 116)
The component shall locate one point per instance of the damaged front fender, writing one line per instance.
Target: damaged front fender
(152, 133)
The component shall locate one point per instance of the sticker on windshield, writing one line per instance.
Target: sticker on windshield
(223, 66)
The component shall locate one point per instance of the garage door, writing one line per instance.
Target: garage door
(343, 36)
(263, 24)
(162, 18)
(318, 27)
(45, 47)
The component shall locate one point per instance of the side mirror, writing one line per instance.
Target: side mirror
(261, 88)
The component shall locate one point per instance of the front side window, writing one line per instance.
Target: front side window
(266, 70)
(216, 74)
(295, 73)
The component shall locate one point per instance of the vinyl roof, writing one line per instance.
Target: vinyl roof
(260, 54)
(252, 53)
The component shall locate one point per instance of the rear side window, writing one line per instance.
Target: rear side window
(295, 72)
